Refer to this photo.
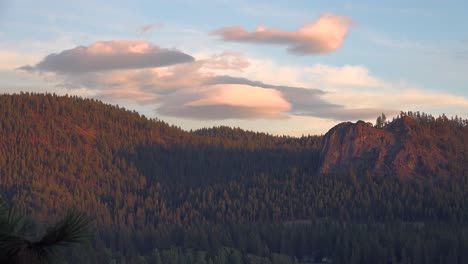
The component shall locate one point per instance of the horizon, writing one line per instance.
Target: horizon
(157, 119)
(263, 66)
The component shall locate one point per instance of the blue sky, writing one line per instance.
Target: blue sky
(381, 56)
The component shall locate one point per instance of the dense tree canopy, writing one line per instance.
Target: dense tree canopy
(159, 194)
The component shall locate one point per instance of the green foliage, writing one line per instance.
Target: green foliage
(163, 195)
(74, 228)
(12, 222)
(16, 247)
(381, 121)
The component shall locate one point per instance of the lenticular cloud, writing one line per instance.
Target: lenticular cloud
(109, 55)
(320, 37)
(224, 101)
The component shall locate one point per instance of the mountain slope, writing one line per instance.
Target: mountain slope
(410, 146)
(149, 185)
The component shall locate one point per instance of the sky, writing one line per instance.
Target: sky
(281, 67)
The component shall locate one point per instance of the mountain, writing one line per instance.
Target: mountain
(159, 194)
(412, 145)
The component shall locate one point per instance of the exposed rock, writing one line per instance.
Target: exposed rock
(405, 147)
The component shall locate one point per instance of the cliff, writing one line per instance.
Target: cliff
(408, 146)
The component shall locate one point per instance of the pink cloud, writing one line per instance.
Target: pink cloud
(323, 36)
(131, 94)
(121, 46)
(117, 70)
(225, 101)
(109, 55)
(242, 95)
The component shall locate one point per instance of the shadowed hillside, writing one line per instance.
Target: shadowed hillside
(159, 193)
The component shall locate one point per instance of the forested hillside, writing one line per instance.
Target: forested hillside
(159, 194)
(413, 145)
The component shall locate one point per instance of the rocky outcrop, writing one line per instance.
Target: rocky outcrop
(405, 147)
(356, 145)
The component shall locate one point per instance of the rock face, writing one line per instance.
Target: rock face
(356, 145)
(406, 147)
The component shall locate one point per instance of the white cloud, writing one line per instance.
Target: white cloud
(227, 60)
(398, 98)
(319, 76)
(343, 87)
(348, 75)
(13, 59)
(418, 97)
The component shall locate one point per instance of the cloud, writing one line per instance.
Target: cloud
(11, 59)
(323, 36)
(225, 101)
(149, 28)
(156, 81)
(411, 97)
(346, 114)
(309, 102)
(227, 60)
(129, 94)
(348, 75)
(197, 89)
(109, 55)
(224, 86)
(300, 98)
(401, 98)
